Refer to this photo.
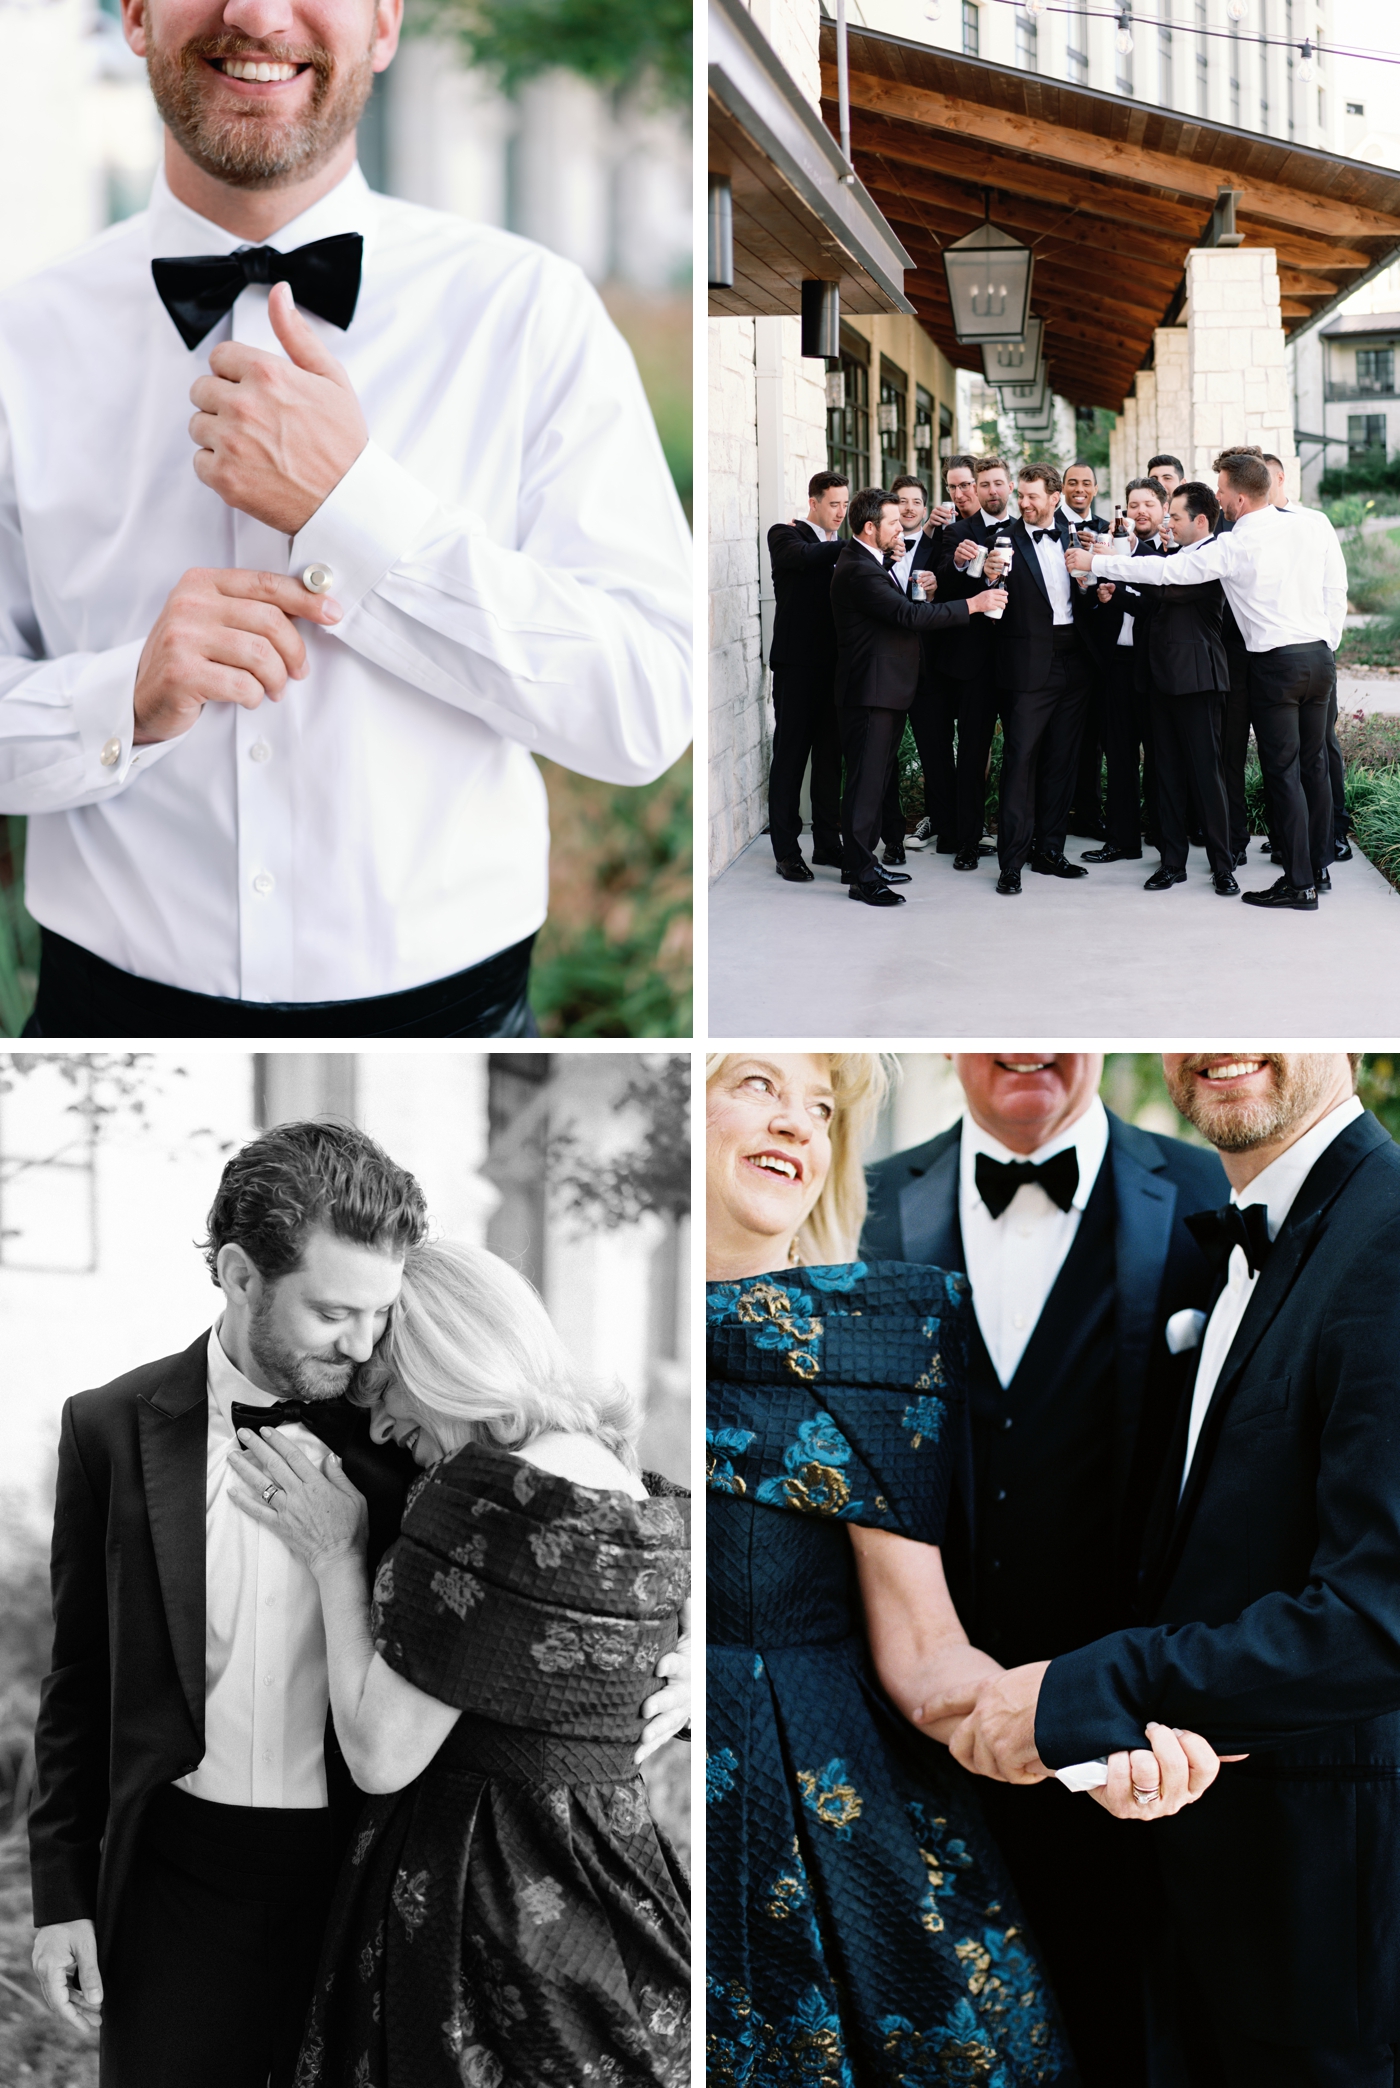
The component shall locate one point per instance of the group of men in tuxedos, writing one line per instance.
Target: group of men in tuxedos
(1157, 677)
(1182, 1503)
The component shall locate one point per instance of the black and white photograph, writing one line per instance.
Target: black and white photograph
(345, 1591)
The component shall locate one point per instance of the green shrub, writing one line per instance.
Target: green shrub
(1372, 472)
(1373, 572)
(19, 936)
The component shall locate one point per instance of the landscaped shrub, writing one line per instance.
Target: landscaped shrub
(1373, 572)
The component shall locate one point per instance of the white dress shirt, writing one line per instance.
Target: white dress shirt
(904, 564)
(509, 552)
(1284, 576)
(266, 1690)
(1051, 553)
(1012, 1261)
(1277, 1187)
(1125, 629)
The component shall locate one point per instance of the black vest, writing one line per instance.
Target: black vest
(1031, 1576)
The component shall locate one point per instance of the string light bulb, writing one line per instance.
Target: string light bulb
(1237, 9)
(1123, 41)
(1307, 67)
(933, 11)
(1034, 8)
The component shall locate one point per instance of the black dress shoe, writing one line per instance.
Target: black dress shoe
(1109, 854)
(1302, 898)
(824, 861)
(1162, 880)
(987, 848)
(895, 855)
(875, 894)
(1323, 881)
(794, 869)
(895, 876)
(966, 859)
(1343, 854)
(1009, 884)
(1086, 829)
(881, 876)
(1056, 866)
(1240, 858)
(1225, 885)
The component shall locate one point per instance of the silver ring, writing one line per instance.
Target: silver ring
(1145, 1797)
(268, 1491)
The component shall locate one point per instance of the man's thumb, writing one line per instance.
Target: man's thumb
(297, 339)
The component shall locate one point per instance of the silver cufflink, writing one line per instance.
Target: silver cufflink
(111, 754)
(317, 579)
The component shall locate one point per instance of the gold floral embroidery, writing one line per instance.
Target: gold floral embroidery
(931, 1919)
(766, 1301)
(979, 1958)
(817, 1489)
(834, 1800)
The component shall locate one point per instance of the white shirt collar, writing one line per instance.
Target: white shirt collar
(227, 1382)
(878, 556)
(997, 521)
(1088, 1135)
(1278, 1184)
(175, 229)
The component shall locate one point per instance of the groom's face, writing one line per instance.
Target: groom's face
(1245, 1099)
(1025, 1098)
(308, 1331)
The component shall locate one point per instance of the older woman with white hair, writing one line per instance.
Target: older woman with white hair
(509, 1912)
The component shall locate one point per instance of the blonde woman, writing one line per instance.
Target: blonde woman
(508, 1913)
(857, 1912)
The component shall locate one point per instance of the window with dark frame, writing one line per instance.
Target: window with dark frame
(1027, 44)
(923, 443)
(972, 29)
(1375, 371)
(894, 443)
(1264, 66)
(1365, 432)
(1234, 74)
(848, 426)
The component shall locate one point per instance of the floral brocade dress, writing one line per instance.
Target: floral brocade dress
(512, 1918)
(860, 1930)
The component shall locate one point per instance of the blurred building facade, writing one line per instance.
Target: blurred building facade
(605, 182)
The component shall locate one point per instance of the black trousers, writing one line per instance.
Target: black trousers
(1069, 1869)
(1186, 743)
(933, 715)
(977, 705)
(870, 738)
(1087, 811)
(1336, 767)
(83, 996)
(1041, 731)
(1290, 691)
(1132, 760)
(1234, 746)
(210, 1972)
(804, 729)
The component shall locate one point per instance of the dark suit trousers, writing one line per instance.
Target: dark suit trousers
(1336, 767)
(1290, 690)
(804, 727)
(870, 737)
(1041, 731)
(1087, 810)
(977, 704)
(1234, 746)
(933, 715)
(213, 1962)
(1132, 760)
(1186, 741)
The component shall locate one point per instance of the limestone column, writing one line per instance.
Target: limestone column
(1236, 364)
(1173, 392)
(1145, 391)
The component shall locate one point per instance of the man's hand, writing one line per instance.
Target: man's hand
(998, 1738)
(1079, 561)
(996, 561)
(1179, 1768)
(1105, 591)
(64, 1950)
(950, 1691)
(222, 638)
(965, 552)
(668, 1712)
(275, 437)
(927, 581)
(989, 599)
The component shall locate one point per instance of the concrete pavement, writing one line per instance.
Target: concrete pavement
(1093, 958)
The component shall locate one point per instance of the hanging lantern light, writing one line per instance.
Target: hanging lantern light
(1014, 362)
(887, 417)
(989, 283)
(1028, 401)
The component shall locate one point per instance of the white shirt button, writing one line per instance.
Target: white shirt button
(262, 883)
(267, 1681)
(267, 1756)
(259, 751)
(317, 579)
(111, 753)
(1023, 1232)
(1018, 1319)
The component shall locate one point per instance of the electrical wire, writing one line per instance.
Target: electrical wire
(1187, 29)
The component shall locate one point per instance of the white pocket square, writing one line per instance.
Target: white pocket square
(1184, 1329)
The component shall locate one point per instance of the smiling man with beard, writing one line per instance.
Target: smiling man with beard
(1273, 1594)
(1070, 1225)
(273, 676)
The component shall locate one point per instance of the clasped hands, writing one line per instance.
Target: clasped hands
(985, 1714)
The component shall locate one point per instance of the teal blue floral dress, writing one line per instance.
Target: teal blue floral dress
(860, 1930)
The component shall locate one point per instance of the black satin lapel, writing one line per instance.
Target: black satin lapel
(1145, 1203)
(173, 1424)
(1025, 549)
(383, 1473)
(928, 1213)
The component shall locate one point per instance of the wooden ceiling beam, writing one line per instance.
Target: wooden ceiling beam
(1295, 282)
(1115, 157)
(1048, 229)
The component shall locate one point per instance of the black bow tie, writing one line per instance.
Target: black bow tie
(890, 561)
(198, 289)
(330, 1419)
(998, 1180)
(909, 543)
(1037, 534)
(1217, 1233)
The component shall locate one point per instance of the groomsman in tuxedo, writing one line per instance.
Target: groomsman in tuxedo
(1040, 663)
(980, 489)
(803, 659)
(877, 676)
(1167, 471)
(1187, 677)
(933, 713)
(1336, 766)
(1273, 1602)
(1086, 814)
(1070, 1225)
(1118, 631)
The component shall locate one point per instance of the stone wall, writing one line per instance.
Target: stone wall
(739, 734)
(1236, 364)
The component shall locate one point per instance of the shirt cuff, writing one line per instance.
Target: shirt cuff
(363, 528)
(103, 699)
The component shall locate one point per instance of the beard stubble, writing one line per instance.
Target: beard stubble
(254, 148)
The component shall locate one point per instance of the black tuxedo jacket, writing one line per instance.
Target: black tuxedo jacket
(121, 1711)
(1274, 1590)
(965, 654)
(1157, 1182)
(1229, 630)
(1185, 651)
(804, 635)
(878, 630)
(1022, 646)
